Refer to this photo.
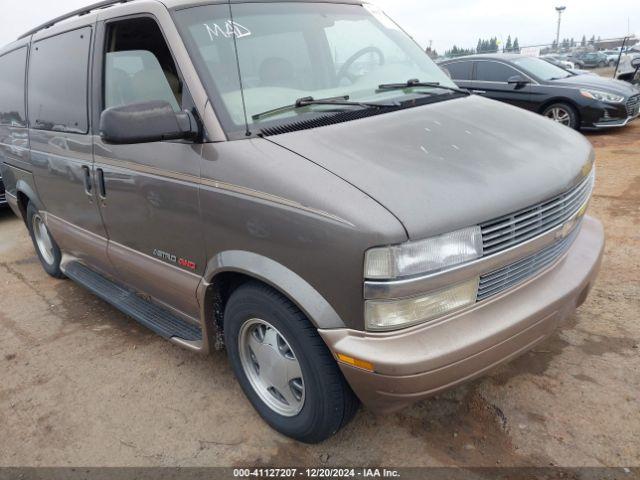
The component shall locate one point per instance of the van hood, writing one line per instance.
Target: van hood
(449, 165)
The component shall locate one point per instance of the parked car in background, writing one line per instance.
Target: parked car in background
(577, 101)
(629, 68)
(612, 56)
(345, 221)
(568, 66)
(559, 61)
(590, 60)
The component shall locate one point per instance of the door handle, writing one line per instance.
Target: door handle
(102, 187)
(88, 187)
(479, 92)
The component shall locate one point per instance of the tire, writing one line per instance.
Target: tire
(46, 247)
(259, 317)
(601, 64)
(563, 113)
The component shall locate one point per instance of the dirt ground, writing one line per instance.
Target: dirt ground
(82, 385)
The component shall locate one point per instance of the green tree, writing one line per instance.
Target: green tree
(583, 43)
(516, 46)
(509, 45)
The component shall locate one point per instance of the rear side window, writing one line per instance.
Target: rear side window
(459, 70)
(58, 72)
(494, 72)
(12, 76)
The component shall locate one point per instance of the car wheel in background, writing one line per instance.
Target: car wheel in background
(46, 247)
(564, 114)
(284, 367)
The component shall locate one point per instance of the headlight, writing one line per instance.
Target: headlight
(395, 314)
(430, 255)
(602, 96)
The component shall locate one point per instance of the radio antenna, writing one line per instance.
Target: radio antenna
(235, 47)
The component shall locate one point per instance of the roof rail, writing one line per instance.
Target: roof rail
(76, 13)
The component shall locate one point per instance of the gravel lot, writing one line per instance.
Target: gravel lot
(83, 385)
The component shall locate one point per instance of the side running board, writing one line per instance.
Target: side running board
(156, 318)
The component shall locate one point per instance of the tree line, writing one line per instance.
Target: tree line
(489, 45)
(571, 42)
(492, 45)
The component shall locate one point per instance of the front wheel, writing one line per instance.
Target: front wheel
(564, 114)
(46, 247)
(284, 367)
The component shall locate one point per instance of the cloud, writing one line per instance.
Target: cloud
(460, 22)
(464, 21)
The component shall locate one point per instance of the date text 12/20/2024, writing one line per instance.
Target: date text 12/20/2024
(315, 473)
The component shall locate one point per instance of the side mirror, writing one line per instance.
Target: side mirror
(146, 122)
(518, 80)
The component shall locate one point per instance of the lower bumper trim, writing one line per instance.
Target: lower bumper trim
(616, 123)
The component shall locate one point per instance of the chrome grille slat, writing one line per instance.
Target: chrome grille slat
(511, 274)
(559, 204)
(507, 277)
(549, 223)
(633, 105)
(541, 208)
(578, 196)
(510, 230)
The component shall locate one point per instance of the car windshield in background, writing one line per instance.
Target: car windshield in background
(291, 51)
(541, 69)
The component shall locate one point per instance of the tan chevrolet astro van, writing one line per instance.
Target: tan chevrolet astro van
(296, 182)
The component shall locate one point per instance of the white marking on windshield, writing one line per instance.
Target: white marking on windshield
(227, 30)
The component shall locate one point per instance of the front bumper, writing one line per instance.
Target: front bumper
(607, 115)
(419, 362)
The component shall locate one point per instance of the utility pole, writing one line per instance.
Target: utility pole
(560, 10)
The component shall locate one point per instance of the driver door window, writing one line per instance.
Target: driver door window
(138, 65)
(492, 82)
(494, 72)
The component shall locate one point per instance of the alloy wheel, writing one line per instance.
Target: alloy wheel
(560, 115)
(43, 239)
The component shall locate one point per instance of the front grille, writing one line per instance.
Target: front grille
(510, 230)
(508, 277)
(633, 106)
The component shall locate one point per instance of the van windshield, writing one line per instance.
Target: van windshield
(288, 51)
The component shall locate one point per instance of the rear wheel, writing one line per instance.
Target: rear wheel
(564, 114)
(284, 367)
(46, 247)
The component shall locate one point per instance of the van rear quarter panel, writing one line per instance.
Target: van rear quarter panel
(258, 197)
(15, 157)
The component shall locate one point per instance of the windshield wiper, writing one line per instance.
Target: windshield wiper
(415, 83)
(307, 101)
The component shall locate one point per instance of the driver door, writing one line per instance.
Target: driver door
(491, 81)
(148, 193)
